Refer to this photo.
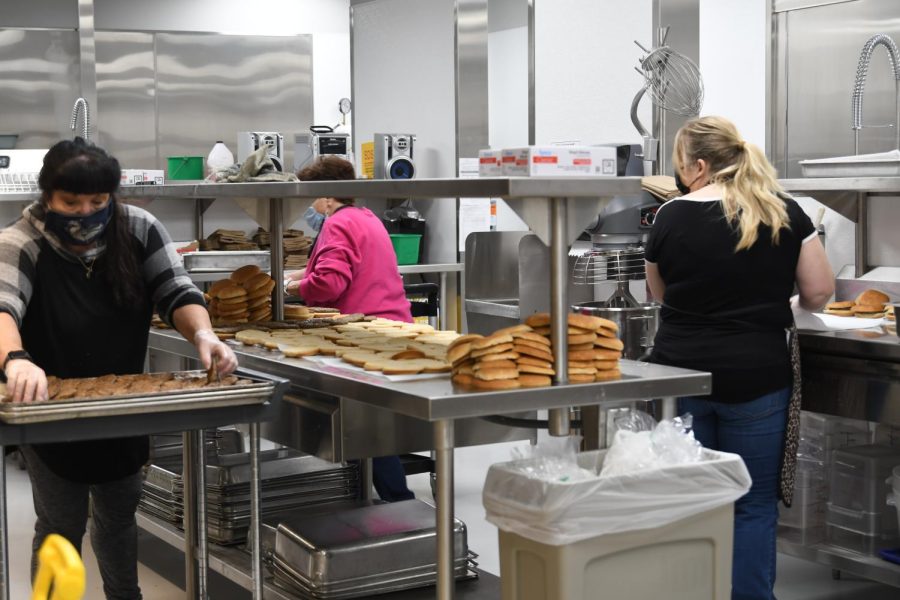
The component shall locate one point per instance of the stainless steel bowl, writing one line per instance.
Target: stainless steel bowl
(637, 325)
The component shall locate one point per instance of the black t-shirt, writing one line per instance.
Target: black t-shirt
(85, 335)
(725, 311)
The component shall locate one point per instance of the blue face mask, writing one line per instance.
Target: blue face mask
(314, 218)
(79, 231)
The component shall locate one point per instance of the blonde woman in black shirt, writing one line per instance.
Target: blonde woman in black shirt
(724, 260)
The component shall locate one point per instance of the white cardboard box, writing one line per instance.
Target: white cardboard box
(489, 163)
(559, 161)
(143, 177)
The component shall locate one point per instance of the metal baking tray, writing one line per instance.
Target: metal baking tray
(364, 541)
(209, 261)
(288, 579)
(258, 392)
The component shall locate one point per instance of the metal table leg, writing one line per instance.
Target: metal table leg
(669, 408)
(559, 423)
(443, 444)
(442, 301)
(195, 552)
(255, 511)
(365, 479)
(4, 528)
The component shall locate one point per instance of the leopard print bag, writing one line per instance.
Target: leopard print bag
(792, 427)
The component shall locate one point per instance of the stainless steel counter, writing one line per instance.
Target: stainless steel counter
(438, 399)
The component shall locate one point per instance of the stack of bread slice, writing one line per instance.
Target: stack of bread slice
(870, 304)
(594, 348)
(246, 296)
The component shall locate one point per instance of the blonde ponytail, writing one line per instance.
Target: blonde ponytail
(749, 182)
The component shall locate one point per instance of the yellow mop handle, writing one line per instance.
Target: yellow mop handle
(60, 565)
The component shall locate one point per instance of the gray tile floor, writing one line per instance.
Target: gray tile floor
(797, 579)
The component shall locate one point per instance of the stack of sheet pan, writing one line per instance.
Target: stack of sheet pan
(289, 480)
(363, 551)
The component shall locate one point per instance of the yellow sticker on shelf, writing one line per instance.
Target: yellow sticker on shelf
(368, 159)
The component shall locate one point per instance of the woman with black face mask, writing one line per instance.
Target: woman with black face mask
(80, 275)
(723, 259)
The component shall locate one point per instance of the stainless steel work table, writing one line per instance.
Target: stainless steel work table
(854, 374)
(440, 402)
(190, 421)
(556, 209)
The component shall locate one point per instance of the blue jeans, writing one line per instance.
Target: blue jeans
(755, 431)
(389, 479)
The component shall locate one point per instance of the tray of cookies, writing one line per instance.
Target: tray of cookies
(115, 395)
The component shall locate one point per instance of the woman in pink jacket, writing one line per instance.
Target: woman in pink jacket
(353, 267)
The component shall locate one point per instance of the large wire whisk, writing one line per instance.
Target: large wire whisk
(672, 80)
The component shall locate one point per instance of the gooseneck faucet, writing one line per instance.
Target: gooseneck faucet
(86, 128)
(862, 69)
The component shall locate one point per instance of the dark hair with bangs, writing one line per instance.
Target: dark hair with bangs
(79, 167)
(329, 168)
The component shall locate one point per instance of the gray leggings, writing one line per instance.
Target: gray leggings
(62, 507)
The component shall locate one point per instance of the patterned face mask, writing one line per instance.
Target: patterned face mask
(79, 231)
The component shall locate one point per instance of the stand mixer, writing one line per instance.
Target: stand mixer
(615, 253)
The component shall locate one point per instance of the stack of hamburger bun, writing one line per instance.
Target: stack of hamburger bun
(246, 296)
(868, 305)
(522, 355)
(594, 348)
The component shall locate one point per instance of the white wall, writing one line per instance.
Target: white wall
(404, 81)
(733, 63)
(584, 69)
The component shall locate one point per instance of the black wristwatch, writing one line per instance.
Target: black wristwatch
(15, 355)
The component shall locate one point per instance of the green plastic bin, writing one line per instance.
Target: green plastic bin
(185, 167)
(406, 245)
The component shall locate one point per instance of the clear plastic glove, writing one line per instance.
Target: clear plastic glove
(209, 346)
(25, 381)
(292, 282)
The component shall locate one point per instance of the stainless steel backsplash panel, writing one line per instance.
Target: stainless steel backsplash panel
(40, 74)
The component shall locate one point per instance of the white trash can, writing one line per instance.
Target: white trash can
(659, 533)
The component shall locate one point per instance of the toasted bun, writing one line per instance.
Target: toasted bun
(262, 291)
(221, 284)
(463, 379)
(492, 340)
(469, 337)
(873, 298)
(459, 352)
(606, 365)
(494, 364)
(608, 375)
(585, 321)
(232, 291)
(841, 312)
(497, 349)
(845, 304)
(536, 345)
(534, 380)
(582, 338)
(604, 354)
(531, 337)
(610, 343)
(244, 273)
(500, 356)
(537, 362)
(255, 282)
(580, 347)
(494, 374)
(538, 320)
(496, 384)
(526, 368)
(582, 370)
(536, 353)
(581, 378)
(521, 328)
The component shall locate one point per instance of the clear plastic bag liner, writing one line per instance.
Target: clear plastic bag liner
(560, 513)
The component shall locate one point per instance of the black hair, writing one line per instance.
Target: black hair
(79, 167)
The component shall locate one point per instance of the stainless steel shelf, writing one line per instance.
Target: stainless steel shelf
(19, 196)
(869, 567)
(497, 308)
(842, 184)
(437, 399)
(435, 268)
(505, 187)
(230, 562)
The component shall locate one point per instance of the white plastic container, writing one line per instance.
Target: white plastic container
(220, 157)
